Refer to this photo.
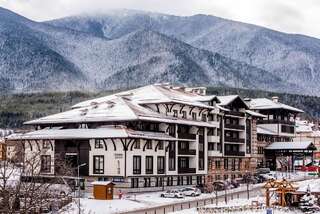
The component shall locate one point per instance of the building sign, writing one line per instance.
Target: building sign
(118, 156)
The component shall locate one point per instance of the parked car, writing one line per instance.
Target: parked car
(203, 188)
(219, 185)
(172, 194)
(262, 171)
(189, 191)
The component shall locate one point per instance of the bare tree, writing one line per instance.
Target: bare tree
(24, 189)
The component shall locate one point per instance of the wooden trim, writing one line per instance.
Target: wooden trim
(114, 144)
(191, 108)
(105, 144)
(30, 145)
(182, 106)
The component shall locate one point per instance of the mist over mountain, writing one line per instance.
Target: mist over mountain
(127, 48)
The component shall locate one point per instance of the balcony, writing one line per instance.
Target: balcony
(186, 152)
(186, 136)
(234, 126)
(213, 153)
(276, 121)
(235, 113)
(235, 153)
(234, 140)
(213, 138)
(186, 170)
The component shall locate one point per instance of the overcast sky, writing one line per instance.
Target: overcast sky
(293, 16)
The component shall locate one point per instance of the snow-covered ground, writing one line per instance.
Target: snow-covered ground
(144, 200)
(240, 202)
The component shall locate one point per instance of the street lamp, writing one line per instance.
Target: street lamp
(81, 165)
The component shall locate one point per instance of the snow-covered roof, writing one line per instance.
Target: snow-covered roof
(255, 114)
(155, 94)
(127, 107)
(295, 145)
(264, 103)
(303, 128)
(102, 183)
(105, 132)
(118, 109)
(225, 100)
(263, 130)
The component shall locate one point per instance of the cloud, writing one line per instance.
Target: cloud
(293, 16)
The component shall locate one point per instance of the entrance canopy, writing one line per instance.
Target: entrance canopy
(295, 146)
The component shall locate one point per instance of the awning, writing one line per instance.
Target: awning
(294, 145)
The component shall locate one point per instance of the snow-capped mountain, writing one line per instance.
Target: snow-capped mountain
(293, 58)
(124, 48)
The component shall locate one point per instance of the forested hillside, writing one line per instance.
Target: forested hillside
(17, 108)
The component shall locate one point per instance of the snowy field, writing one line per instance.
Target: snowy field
(144, 200)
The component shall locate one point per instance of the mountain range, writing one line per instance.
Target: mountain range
(128, 48)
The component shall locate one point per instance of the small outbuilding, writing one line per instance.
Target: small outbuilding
(103, 190)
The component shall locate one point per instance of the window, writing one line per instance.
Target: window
(46, 144)
(149, 165)
(175, 113)
(194, 116)
(180, 180)
(149, 144)
(98, 164)
(136, 164)
(184, 114)
(218, 164)
(159, 181)
(45, 163)
(211, 146)
(204, 118)
(226, 163)
(189, 180)
(98, 144)
(170, 181)
(134, 182)
(199, 180)
(118, 167)
(160, 164)
(137, 144)
(160, 146)
(147, 182)
(183, 163)
(172, 164)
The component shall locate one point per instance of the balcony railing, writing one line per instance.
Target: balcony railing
(234, 126)
(234, 140)
(276, 121)
(186, 136)
(234, 153)
(235, 113)
(187, 152)
(160, 171)
(186, 170)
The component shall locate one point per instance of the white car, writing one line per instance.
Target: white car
(189, 191)
(172, 194)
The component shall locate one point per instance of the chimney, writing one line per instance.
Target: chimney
(275, 99)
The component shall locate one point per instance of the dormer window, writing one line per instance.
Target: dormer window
(194, 116)
(184, 114)
(175, 113)
(204, 117)
(98, 144)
